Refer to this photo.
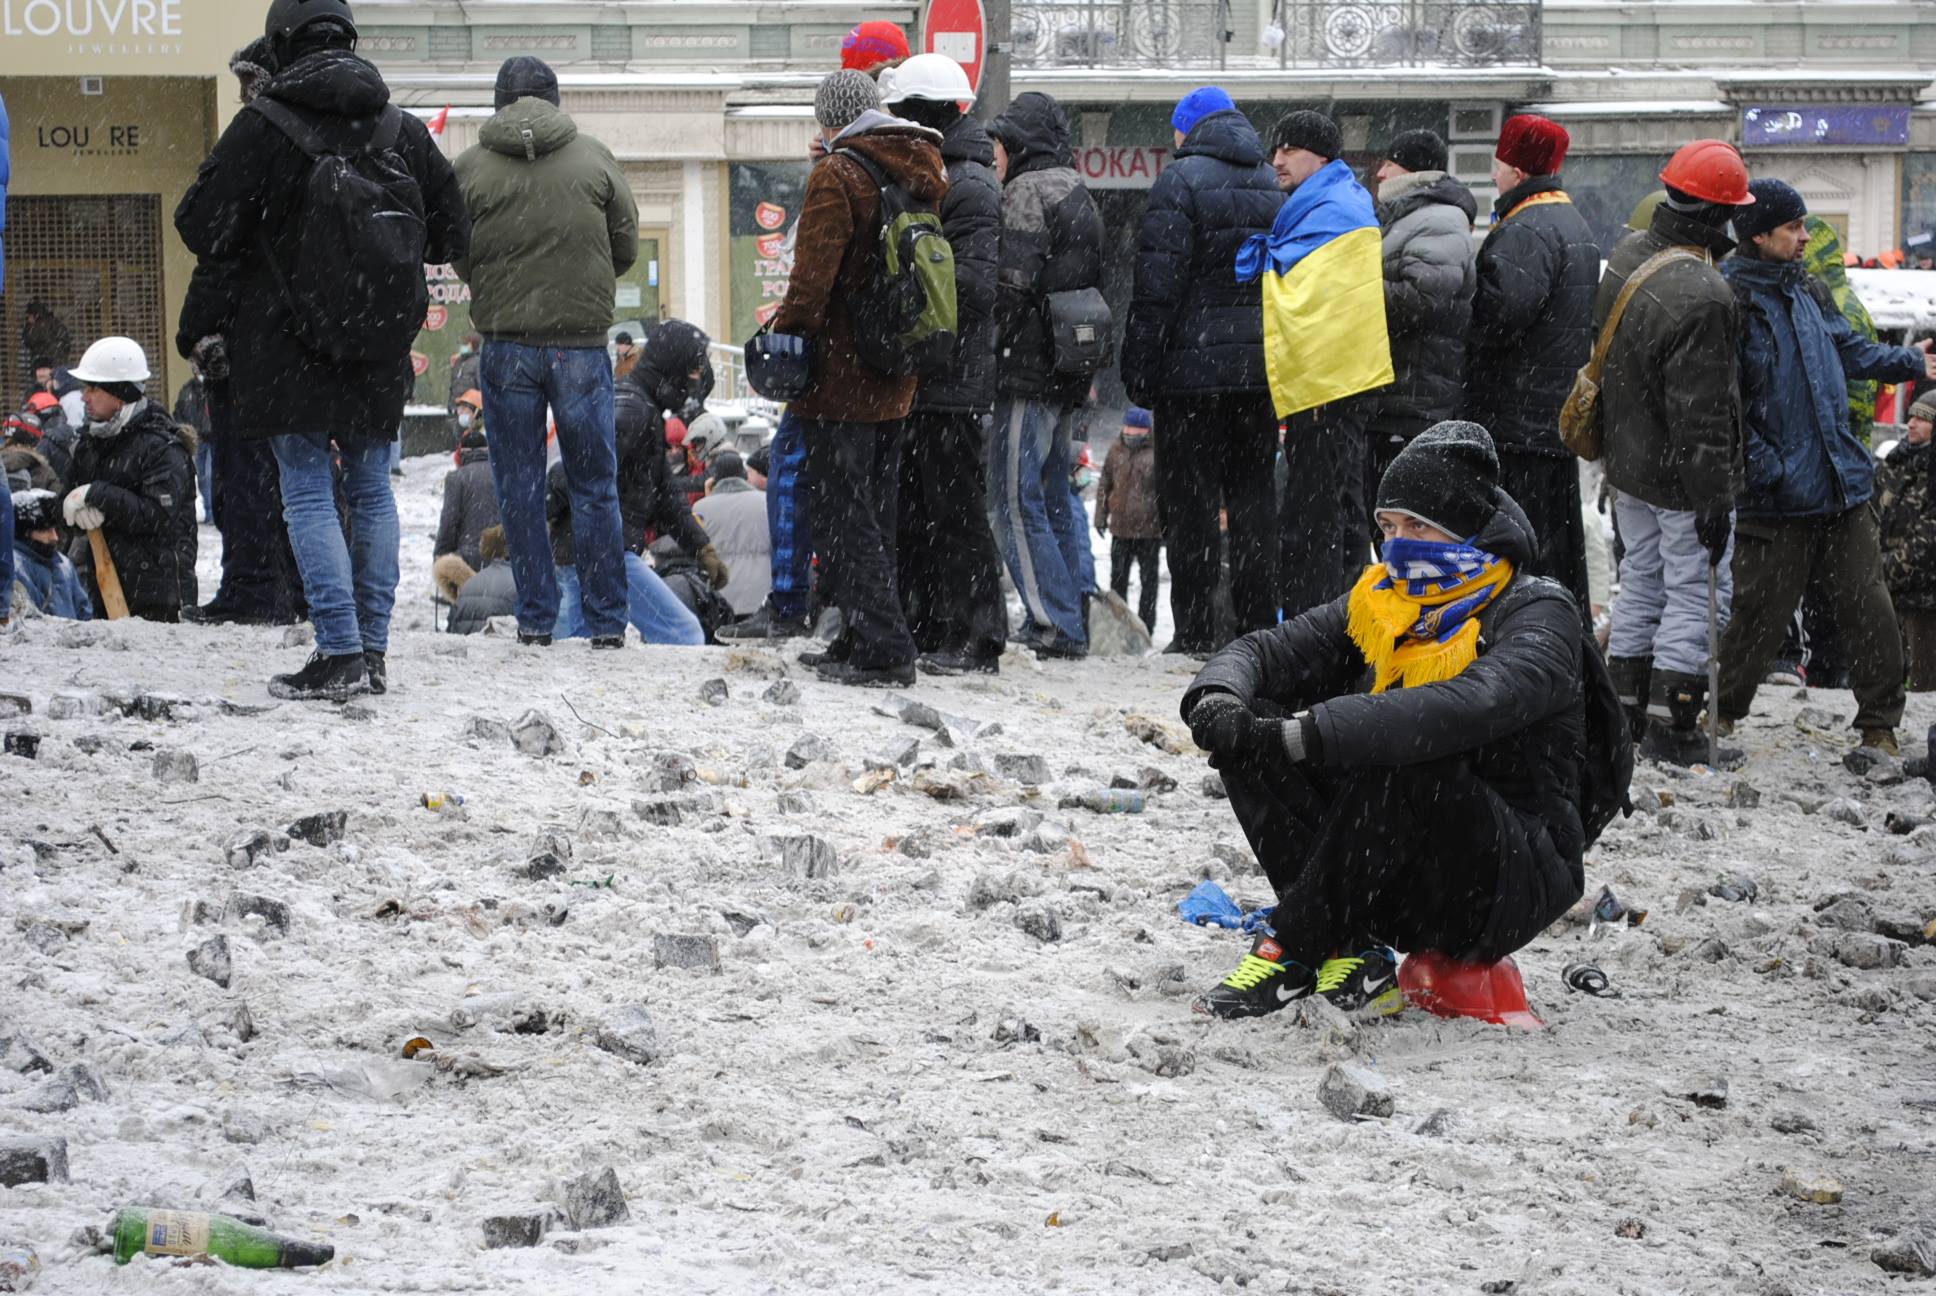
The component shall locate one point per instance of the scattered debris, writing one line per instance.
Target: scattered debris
(1352, 1092)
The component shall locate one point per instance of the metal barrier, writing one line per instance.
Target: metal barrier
(732, 396)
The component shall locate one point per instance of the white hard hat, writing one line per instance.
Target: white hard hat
(113, 360)
(934, 77)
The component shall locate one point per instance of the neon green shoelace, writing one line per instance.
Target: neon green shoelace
(1251, 971)
(1335, 972)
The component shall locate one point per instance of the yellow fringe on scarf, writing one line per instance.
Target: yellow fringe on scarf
(1381, 622)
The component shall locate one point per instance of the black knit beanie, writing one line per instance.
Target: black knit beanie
(125, 392)
(524, 77)
(1418, 150)
(1305, 129)
(1448, 476)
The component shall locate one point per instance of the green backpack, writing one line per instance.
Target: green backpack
(905, 319)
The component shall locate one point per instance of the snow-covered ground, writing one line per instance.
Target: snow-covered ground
(893, 1082)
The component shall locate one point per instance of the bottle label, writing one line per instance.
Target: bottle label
(181, 1233)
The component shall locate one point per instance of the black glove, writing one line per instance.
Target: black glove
(1713, 533)
(1222, 725)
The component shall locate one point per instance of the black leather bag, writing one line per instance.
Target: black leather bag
(1083, 331)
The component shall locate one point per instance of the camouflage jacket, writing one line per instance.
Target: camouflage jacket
(1907, 506)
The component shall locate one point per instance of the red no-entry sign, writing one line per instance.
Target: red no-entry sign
(959, 29)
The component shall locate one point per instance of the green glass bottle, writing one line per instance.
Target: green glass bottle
(155, 1232)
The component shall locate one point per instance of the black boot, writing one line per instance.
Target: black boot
(1631, 676)
(323, 679)
(375, 671)
(1676, 707)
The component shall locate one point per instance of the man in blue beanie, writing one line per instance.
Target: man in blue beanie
(1193, 352)
(1805, 512)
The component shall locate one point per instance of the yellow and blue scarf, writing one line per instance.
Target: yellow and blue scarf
(1415, 615)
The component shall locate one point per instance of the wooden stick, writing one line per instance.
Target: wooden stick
(106, 578)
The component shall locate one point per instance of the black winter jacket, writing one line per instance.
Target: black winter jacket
(971, 218)
(143, 479)
(251, 186)
(1532, 317)
(470, 508)
(1430, 278)
(1051, 242)
(1193, 329)
(646, 499)
(1517, 714)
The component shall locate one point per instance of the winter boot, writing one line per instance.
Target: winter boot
(323, 679)
(375, 671)
(1263, 983)
(1676, 708)
(1631, 676)
(1882, 740)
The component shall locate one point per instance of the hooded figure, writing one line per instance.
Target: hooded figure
(52, 585)
(1406, 761)
(659, 382)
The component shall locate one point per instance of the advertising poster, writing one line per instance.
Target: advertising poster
(764, 205)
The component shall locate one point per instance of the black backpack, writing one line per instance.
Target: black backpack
(905, 318)
(1606, 758)
(356, 292)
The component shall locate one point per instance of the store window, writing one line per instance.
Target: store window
(1918, 197)
(92, 265)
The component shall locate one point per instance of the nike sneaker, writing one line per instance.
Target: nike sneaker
(1263, 983)
(1364, 984)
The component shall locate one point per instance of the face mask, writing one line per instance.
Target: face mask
(464, 350)
(42, 550)
(1135, 439)
(464, 419)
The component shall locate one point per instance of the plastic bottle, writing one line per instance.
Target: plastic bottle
(1107, 801)
(442, 802)
(145, 1230)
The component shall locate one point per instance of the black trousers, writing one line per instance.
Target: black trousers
(259, 576)
(1143, 555)
(854, 471)
(1411, 855)
(1547, 487)
(949, 572)
(1321, 519)
(1214, 454)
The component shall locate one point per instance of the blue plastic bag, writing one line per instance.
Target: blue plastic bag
(1210, 906)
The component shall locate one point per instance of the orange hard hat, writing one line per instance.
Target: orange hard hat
(1711, 170)
(40, 402)
(473, 398)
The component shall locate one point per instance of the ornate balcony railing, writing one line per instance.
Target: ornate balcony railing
(1299, 33)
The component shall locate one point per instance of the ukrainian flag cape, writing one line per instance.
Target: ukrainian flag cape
(1324, 293)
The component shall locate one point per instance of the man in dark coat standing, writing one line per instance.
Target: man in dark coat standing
(1806, 513)
(1052, 238)
(950, 573)
(1532, 329)
(1406, 761)
(1427, 218)
(248, 206)
(1193, 353)
(260, 584)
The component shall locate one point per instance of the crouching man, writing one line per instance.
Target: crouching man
(1405, 760)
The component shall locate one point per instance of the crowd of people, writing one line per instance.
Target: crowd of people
(1419, 745)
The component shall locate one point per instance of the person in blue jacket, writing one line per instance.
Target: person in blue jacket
(39, 567)
(1804, 511)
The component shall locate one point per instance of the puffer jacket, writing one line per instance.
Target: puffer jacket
(493, 592)
(734, 516)
(1798, 354)
(1532, 316)
(470, 508)
(1517, 713)
(143, 480)
(553, 224)
(971, 219)
(1670, 396)
(1051, 242)
(250, 188)
(1192, 328)
(836, 250)
(1430, 279)
(1906, 501)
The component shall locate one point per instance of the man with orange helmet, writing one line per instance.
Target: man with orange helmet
(1670, 402)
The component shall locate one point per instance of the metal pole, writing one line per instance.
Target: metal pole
(994, 96)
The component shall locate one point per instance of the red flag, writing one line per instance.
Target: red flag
(438, 122)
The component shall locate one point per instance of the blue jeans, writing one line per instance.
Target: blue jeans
(656, 611)
(205, 476)
(576, 383)
(1085, 567)
(1036, 521)
(351, 588)
(789, 519)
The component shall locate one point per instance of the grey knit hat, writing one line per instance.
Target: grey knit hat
(843, 96)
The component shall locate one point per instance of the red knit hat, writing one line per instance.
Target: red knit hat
(1535, 145)
(872, 44)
